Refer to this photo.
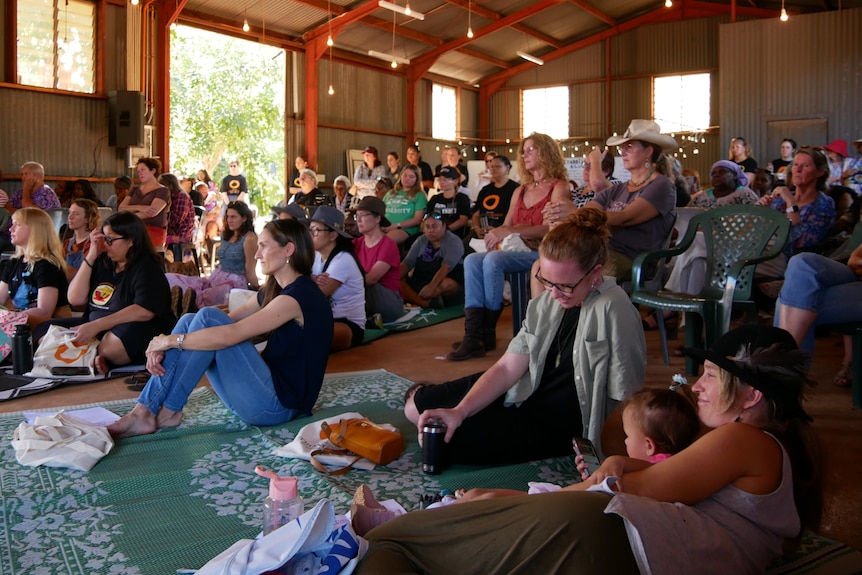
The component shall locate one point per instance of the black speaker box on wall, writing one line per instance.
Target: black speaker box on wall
(125, 118)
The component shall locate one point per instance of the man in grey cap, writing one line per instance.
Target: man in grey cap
(293, 212)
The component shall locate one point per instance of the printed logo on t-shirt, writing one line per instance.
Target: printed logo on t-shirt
(103, 294)
(234, 184)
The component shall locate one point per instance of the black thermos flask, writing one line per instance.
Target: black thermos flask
(433, 447)
(22, 350)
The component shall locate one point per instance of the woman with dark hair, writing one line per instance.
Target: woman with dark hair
(393, 166)
(779, 165)
(204, 176)
(181, 220)
(83, 218)
(492, 203)
(366, 174)
(150, 201)
(811, 212)
(236, 267)
(726, 504)
(124, 292)
(83, 189)
(267, 388)
(338, 274)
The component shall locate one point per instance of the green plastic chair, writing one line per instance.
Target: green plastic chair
(737, 238)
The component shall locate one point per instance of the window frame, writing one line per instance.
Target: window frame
(98, 39)
(679, 126)
(526, 132)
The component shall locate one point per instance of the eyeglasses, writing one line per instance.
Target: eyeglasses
(529, 150)
(315, 231)
(233, 165)
(110, 241)
(567, 289)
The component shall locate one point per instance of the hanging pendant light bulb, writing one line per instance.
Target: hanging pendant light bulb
(329, 41)
(668, 3)
(245, 26)
(469, 32)
(469, 19)
(407, 12)
(394, 64)
(783, 17)
(331, 90)
(135, 2)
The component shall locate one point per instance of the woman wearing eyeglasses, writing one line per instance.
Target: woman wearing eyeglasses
(580, 350)
(123, 291)
(544, 179)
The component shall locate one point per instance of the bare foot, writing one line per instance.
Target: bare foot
(102, 365)
(139, 421)
(168, 418)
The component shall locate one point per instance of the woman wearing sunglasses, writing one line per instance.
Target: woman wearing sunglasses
(123, 291)
(580, 351)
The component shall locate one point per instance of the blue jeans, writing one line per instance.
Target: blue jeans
(816, 283)
(238, 375)
(484, 276)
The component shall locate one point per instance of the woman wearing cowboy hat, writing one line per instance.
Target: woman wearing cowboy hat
(338, 273)
(642, 210)
(725, 504)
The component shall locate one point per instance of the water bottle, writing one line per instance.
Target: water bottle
(433, 447)
(283, 504)
(22, 350)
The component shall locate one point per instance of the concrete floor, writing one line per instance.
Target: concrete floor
(418, 355)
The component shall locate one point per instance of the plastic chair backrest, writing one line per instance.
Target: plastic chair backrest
(735, 233)
(60, 217)
(104, 212)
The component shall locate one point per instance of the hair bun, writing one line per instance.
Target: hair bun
(593, 220)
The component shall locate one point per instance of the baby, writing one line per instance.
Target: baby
(657, 423)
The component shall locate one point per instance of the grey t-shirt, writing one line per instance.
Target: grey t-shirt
(650, 235)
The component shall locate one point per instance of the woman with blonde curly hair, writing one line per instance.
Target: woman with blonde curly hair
(543, 179)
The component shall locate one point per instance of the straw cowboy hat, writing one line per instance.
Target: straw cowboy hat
(645, 131)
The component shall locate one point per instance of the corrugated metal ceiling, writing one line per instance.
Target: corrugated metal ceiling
(543, 27)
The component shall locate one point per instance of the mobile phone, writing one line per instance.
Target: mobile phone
(583, 446)
(70, 371)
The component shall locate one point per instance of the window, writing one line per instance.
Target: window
(681, 103)
(444, 113)
(546, 110)
(56, 44)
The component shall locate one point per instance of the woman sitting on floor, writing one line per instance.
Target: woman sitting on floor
(265, 388)
(580, 351)
(124, 292)
(33, 281)
(405, 205)
(83, 218)
(725, 504)
(338, 274)
(236, 267)
(432, 272)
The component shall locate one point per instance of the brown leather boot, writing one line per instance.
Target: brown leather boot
(472, 344)
(489, 329)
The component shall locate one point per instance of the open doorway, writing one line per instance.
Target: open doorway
(227, 102)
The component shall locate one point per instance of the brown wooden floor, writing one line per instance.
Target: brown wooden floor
(418, 355)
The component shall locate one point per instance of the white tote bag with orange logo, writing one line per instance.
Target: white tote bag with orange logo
(59, 356)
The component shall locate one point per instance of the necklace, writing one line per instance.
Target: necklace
(538, 183)
(635, 184)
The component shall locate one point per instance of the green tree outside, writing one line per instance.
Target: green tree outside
(227, 101)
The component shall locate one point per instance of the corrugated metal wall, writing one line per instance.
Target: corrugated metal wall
(3, 40)
(788, 80)
(365, 103)
(73, 136)
(670, 48)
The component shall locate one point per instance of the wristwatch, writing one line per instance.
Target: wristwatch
(398, 226)
(180, 339)
(792, 209)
